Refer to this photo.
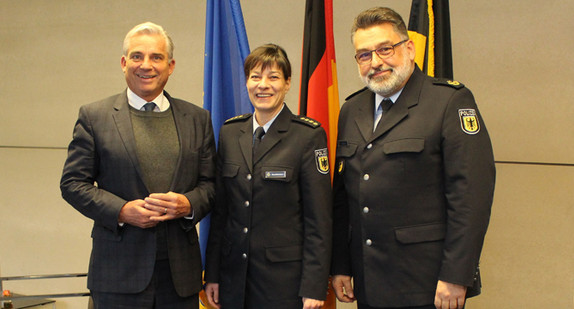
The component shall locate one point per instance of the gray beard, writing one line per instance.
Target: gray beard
(387, 86)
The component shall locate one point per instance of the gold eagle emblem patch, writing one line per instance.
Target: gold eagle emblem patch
(322, 160)
(469, 121)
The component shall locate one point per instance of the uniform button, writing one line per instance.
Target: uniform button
(368, 242)
(244, 256)
(248, 177)
(366, 177)
(245, 230)
(369, 146)
(246, 204)
(366, 210)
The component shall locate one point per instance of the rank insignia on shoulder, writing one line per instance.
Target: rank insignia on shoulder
(448, 82)
(322, 160)
(469, 121)
(308, 121)
(236, 118)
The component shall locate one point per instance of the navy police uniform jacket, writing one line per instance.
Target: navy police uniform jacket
(413, 199)
(271, 228)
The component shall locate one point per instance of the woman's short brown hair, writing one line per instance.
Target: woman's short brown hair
(268, 55)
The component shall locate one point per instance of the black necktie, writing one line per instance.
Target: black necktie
(385, 106)
(149, 107)
(259, 132)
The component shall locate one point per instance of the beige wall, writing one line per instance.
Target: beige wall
(514, 56)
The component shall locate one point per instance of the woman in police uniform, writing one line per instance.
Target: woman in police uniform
(270, 238)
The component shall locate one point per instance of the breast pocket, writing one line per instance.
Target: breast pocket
(402, 160)
(345, 151)
(407, 145)
(230, 170)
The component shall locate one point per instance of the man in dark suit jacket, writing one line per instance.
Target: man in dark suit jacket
(414, 186)
(145, 177)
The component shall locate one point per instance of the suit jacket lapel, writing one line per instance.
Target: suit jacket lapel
(246, 143)
(122, 119)
(400, 110)
(182, 125)
(391, 119)
(365, 116)
(273, 136)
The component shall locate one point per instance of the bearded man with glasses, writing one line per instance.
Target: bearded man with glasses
(414, 183)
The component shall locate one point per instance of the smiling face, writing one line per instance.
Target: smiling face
(267, 89)
(389, 75)
(147, 66)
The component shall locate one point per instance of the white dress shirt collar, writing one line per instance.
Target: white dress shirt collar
(379, 98)
(136, 102)
(269, 123)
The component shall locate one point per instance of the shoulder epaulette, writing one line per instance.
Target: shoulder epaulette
(237, 118)
(448, 82)
(306, 120)
(355, 93)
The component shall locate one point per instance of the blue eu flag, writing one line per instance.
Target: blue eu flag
(224, 91)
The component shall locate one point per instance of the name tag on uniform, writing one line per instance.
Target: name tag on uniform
(275, 174)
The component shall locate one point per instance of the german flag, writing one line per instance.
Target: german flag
(429, 29)
(319, 96)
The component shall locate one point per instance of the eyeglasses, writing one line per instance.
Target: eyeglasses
(383, 52)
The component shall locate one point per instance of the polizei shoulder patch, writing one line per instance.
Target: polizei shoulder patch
(469, 121)
(322, 160)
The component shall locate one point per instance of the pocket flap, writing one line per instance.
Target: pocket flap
(230, 170)
(345, 150)
(284, 254)
(420, 233)
(100, 232)
(404, 145)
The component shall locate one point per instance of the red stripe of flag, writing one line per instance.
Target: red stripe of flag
(319, 96)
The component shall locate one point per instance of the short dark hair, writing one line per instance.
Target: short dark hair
(380, 15)
(268, 55)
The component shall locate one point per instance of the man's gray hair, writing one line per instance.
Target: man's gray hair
(148, 28)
